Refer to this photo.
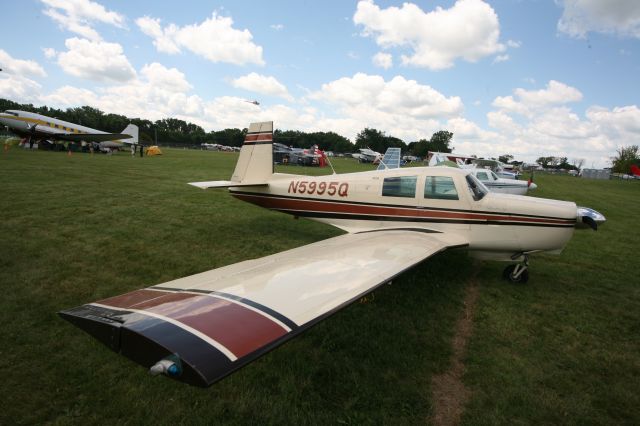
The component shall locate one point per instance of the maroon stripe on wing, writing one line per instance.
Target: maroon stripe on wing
(234, 326)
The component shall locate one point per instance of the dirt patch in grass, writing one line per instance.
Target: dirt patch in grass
(449, 392)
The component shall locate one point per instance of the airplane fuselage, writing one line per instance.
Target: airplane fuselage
(433, 199)
(20, 123)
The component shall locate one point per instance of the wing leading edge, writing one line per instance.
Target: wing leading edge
(217, 321)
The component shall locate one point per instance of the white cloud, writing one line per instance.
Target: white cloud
(157, 92)
(20, 67)
(276, 27)
(95, 60)
(19, 88)
(263, 84)
(500, 58)
(49, 52)
(514, 44)
(397, 96)
(546, 125)
(78, 15)
(382, 60)
(526, 102)
(214, 39)
(401, 107)
(469, 30)
(621, 17)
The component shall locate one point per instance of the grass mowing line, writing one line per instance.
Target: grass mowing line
(449, 392)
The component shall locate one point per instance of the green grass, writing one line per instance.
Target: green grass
(562, 349)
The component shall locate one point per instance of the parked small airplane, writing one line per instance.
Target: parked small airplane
(505, 186)
(314, 156)
(367, 155)
(35, 127)
(218, 147)
(201, 328)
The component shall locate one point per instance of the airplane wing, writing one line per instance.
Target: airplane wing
(210, 324)
(91, 137)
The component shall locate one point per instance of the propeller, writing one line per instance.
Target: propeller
(31, 128)
(589, 218)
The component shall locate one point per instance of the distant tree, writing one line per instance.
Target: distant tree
(439, 142)
(506, 158)
(578, 163)
(544, 161)
(625, 158)
(377, 140)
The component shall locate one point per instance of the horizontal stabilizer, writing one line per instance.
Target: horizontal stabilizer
(224, 184)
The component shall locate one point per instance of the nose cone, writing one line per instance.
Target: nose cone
(589, 218)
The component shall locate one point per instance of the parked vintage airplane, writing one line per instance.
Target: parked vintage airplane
(35, 127)
(506, 186)
(200, 328)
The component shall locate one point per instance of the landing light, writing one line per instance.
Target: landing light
(171, 366)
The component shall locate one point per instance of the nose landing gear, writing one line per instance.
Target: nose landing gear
(519, 272)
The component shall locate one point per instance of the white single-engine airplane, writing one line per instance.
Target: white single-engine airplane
(33, 127)
(200, 328)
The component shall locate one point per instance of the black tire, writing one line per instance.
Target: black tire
(507, 274)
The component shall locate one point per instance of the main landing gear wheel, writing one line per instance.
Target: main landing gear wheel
(517, 273)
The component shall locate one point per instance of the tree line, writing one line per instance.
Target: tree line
(175, 132)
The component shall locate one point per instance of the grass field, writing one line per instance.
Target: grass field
(563, 349)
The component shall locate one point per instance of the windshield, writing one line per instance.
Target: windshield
(477, 189)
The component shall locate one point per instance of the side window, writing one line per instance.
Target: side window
(440, 188)
(482, 175)
(400, 186)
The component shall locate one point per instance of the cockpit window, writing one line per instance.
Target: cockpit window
(399, 186)
(440, 188)
(477, 189)
(482, 175)
(15, 114)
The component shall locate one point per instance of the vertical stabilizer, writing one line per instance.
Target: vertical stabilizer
(131, 130)
(255, 164)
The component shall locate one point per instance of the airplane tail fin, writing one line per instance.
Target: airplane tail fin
(255, 164)
(131, 130)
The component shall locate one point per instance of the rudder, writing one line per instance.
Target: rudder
(255, 164)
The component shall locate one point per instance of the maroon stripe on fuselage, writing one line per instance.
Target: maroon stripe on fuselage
(327, 206)
(239, 329)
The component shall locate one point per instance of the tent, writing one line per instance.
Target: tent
(153, 150)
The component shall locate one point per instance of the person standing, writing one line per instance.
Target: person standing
(133, 150)
(141, 151)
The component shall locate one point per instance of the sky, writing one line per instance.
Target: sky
(529, 78)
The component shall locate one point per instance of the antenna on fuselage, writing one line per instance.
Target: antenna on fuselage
(331, 165)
